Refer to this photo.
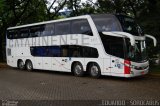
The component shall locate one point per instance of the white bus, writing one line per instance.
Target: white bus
(105, 44)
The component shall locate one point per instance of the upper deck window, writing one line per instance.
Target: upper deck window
(129, 25)
(81, 26)
(105, 23)
(62, 28)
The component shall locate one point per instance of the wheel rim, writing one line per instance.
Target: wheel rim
(29, 66)
(21, 65)
(94, 70)
(78, 69)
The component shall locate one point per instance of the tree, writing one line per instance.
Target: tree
(75, 6)
(54, 7)
(18, 12)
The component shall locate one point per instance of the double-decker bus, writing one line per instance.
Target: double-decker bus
(104, 44)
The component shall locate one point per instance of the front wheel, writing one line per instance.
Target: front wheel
(29, 65)
(78, 69)
(94, 70)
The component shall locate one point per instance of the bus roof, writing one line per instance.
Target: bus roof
(47, 22)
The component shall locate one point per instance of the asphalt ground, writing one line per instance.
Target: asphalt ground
(46, 87)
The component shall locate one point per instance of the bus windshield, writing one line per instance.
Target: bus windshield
(138, 52)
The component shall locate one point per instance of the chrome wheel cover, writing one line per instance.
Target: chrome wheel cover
(21, 65)
(78, 69)
(94, 70)
(29, 66)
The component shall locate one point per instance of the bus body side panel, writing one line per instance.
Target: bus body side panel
(117, 66)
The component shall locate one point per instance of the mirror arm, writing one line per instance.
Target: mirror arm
(153, 38)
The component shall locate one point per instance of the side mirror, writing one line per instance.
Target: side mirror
(153, 38)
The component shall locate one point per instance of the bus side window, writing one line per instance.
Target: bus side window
(75, 51)
(62, 28)
(36, 31)
(24, 33)
(10, 34)
(8, 52)
(48, 30)
(90, 52)
(16, 34)
(54, 51)
(113, 45)
(81, 26)
(65, 51)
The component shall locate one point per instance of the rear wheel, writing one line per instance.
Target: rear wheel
(94, 70)
(29, 65)
(21, 65)
(78, 69)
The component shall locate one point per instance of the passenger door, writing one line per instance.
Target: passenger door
(117, 52)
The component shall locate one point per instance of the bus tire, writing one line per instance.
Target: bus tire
(21, 65)
(29, 65)
(94, 70)
(78, 69)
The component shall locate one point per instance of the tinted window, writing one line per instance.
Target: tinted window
(81, 27)
(76, 51)
(113, 45)
(13, 34)
(106, 23)
(10, 34)
(24, 33)
(48, 30)
(62, 28)
(90, 52)
(39, 51)
(64, 51)
(9, 52)
(36, 31)
(54, 51)
(16, 34)
(129, 25)
(47, 51)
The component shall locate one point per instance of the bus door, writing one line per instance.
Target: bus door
(117, 51)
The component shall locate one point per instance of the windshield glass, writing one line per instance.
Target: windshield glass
(129, 25)
(138, 52)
